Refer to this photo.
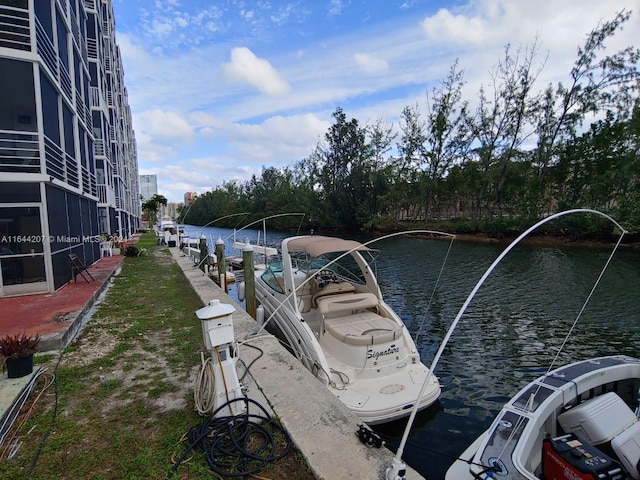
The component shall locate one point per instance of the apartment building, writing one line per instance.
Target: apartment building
(68, 162)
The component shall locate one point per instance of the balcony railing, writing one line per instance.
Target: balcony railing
(63, 5)
(98, 148)
(75, 30)
(14, 28)
(65, 80)
(92, 48)
(107, 60)
(88, 116)
(106, 194)
(80, 105)
(45, 49)
(89, 182)
(54, 158)
(19, 151)
(72, 177)
(94, 93)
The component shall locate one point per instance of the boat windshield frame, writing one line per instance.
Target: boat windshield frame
(271, 274)
(346, 267)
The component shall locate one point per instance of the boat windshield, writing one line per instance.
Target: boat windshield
(272, 276)
(345, 268)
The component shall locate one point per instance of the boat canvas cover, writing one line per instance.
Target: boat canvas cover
(319, 245)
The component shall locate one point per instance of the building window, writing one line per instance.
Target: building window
(21, 246)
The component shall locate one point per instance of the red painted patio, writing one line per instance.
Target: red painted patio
(53, 315)
(50, 315)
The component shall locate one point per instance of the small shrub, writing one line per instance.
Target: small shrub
(131, 251)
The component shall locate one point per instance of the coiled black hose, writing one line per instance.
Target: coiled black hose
(237, 445)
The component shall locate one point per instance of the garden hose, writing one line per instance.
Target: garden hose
(238, 445)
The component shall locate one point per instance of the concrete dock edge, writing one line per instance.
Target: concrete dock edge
(322, 428)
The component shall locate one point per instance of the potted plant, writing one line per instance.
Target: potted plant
(17, 354)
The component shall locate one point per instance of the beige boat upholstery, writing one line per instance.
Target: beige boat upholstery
(329, 289)
(349, 318)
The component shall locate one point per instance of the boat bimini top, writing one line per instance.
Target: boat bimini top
(316, 245)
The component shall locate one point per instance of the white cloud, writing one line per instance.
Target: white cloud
(161, 27)
(371, 64)
(287, 138)
(182, 22)
(336, 7)
(256, 71)
(165, 124)
(459, 29)
(151, 151)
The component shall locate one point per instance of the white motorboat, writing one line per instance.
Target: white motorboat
(167, 232)
(578, 421)
(324, 300)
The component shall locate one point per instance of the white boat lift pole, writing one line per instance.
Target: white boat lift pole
(397, 469)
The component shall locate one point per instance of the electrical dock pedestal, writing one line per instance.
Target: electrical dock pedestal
(218, 336)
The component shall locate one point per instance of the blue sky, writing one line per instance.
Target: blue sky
(219, 89)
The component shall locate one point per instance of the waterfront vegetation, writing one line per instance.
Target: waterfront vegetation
(118, 401)
(511, 154)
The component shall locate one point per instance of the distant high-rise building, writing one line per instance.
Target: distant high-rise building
(190, 197)
(171, 210)
(69, 168)
(148, 187)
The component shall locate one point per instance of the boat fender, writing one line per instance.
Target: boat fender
(260, 315)
(368, 437)
(241, 289)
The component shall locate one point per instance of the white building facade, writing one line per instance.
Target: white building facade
(68, 162)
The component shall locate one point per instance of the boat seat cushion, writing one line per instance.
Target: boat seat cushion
(343, 303)
(331, 289)
(365, 328)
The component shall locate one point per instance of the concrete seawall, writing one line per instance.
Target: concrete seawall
(323, 429)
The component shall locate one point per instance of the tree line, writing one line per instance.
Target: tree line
(513, 155)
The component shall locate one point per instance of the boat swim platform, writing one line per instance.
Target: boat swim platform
(321, 426)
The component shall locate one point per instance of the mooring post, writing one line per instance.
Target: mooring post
(204, 254)
(249, 279)
(222, 267)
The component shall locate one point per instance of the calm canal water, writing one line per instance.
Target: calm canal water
(510, 332)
